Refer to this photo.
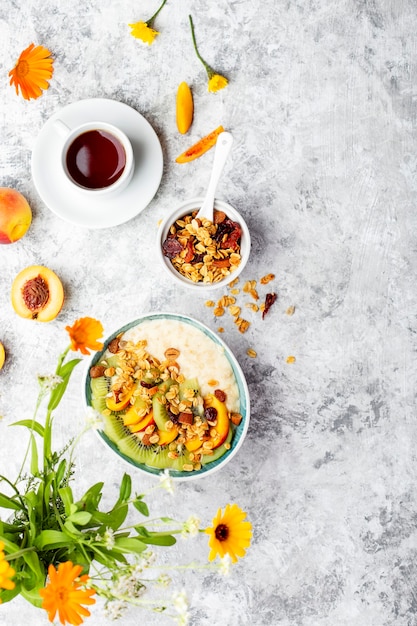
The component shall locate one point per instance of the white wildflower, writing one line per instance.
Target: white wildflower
(225, 565)
(164, 580)
(49, 382)
(166, 481)
(94, 418)
(181, 605)
(191, 526)
(109, 538)
(114, 609)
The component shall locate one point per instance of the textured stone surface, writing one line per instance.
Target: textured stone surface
(322, 106)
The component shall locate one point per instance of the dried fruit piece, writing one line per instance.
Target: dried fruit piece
(37, 294)
(171, 247)
(2, 355)
(184, 108)
(201, 147)
(290, 359)
(269, 301)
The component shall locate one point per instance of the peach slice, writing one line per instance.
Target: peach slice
(114, 404)
(15, 215)
(166, 436)
(37, 294)
(223, 422)
(2, 355)
(136, 423)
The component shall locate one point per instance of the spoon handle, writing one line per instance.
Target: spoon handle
(223, 146)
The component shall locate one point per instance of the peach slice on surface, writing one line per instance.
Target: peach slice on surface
(2, 355)
(15, 215)
(37, 294)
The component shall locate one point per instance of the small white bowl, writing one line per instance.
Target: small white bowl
(185, 209)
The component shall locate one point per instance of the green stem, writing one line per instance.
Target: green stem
(149, 22)
(209, 70)
(47, 449)
(16, 555)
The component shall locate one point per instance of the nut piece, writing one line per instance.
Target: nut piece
(171, 354)
(267, 279)
(186, 418)
(113, 345)
(96, 371)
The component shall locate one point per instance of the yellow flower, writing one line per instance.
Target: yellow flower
(6, 572)
(215, 81)
(145, 30)
(65, 594)
(229, 533)
(32, 71)
(84, 334)
(141, 30)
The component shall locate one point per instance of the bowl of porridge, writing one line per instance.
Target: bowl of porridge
(170, 395)
(201, 254)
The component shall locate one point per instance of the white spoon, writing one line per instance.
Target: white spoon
(223, 146)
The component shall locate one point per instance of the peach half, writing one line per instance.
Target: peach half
(15, 215)
(37, 294)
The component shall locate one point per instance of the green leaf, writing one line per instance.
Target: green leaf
(117, 516)
(61, 471)
(9, 503)
(91, 498)
(125, 488)
(129, 545)
(158, 540)
(6, 596)
(141, 530)
(108, 557)
(65, 372)
(67, 498)
(49, 538)
(142, 507)
(71, 528)
(34, 468)
(81, 518)
(31, 424)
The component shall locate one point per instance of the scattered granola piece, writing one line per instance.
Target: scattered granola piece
(218, 311)
(290, 310)
(210, 303)
(235, 292)
(242, 324)
(220, 329)
(269, 301)
(290, 359)
(252, 306)
(234, 310)
(252, 353)
(233, 282)
(267, 279)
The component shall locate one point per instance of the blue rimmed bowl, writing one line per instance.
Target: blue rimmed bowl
(243, 401)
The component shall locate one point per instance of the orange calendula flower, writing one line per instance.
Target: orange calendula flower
(6, 572)
(230, 534)
(84, 334)
(145, 30)
(215, 81)
(32, 71)
(65, 594)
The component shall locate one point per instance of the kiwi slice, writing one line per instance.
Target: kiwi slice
(99, 386)
(99, 404)
(112, 361)
(217, 452)
(189, 383)
(114, 428)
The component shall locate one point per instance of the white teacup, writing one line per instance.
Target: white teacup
(96, 157)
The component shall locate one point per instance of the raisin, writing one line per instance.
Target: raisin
(210, 413)
(147, 385)
(171, 247)
(220, 395)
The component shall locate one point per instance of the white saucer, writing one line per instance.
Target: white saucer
(101, 212)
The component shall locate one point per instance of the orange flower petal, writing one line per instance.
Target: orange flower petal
(84, 334)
